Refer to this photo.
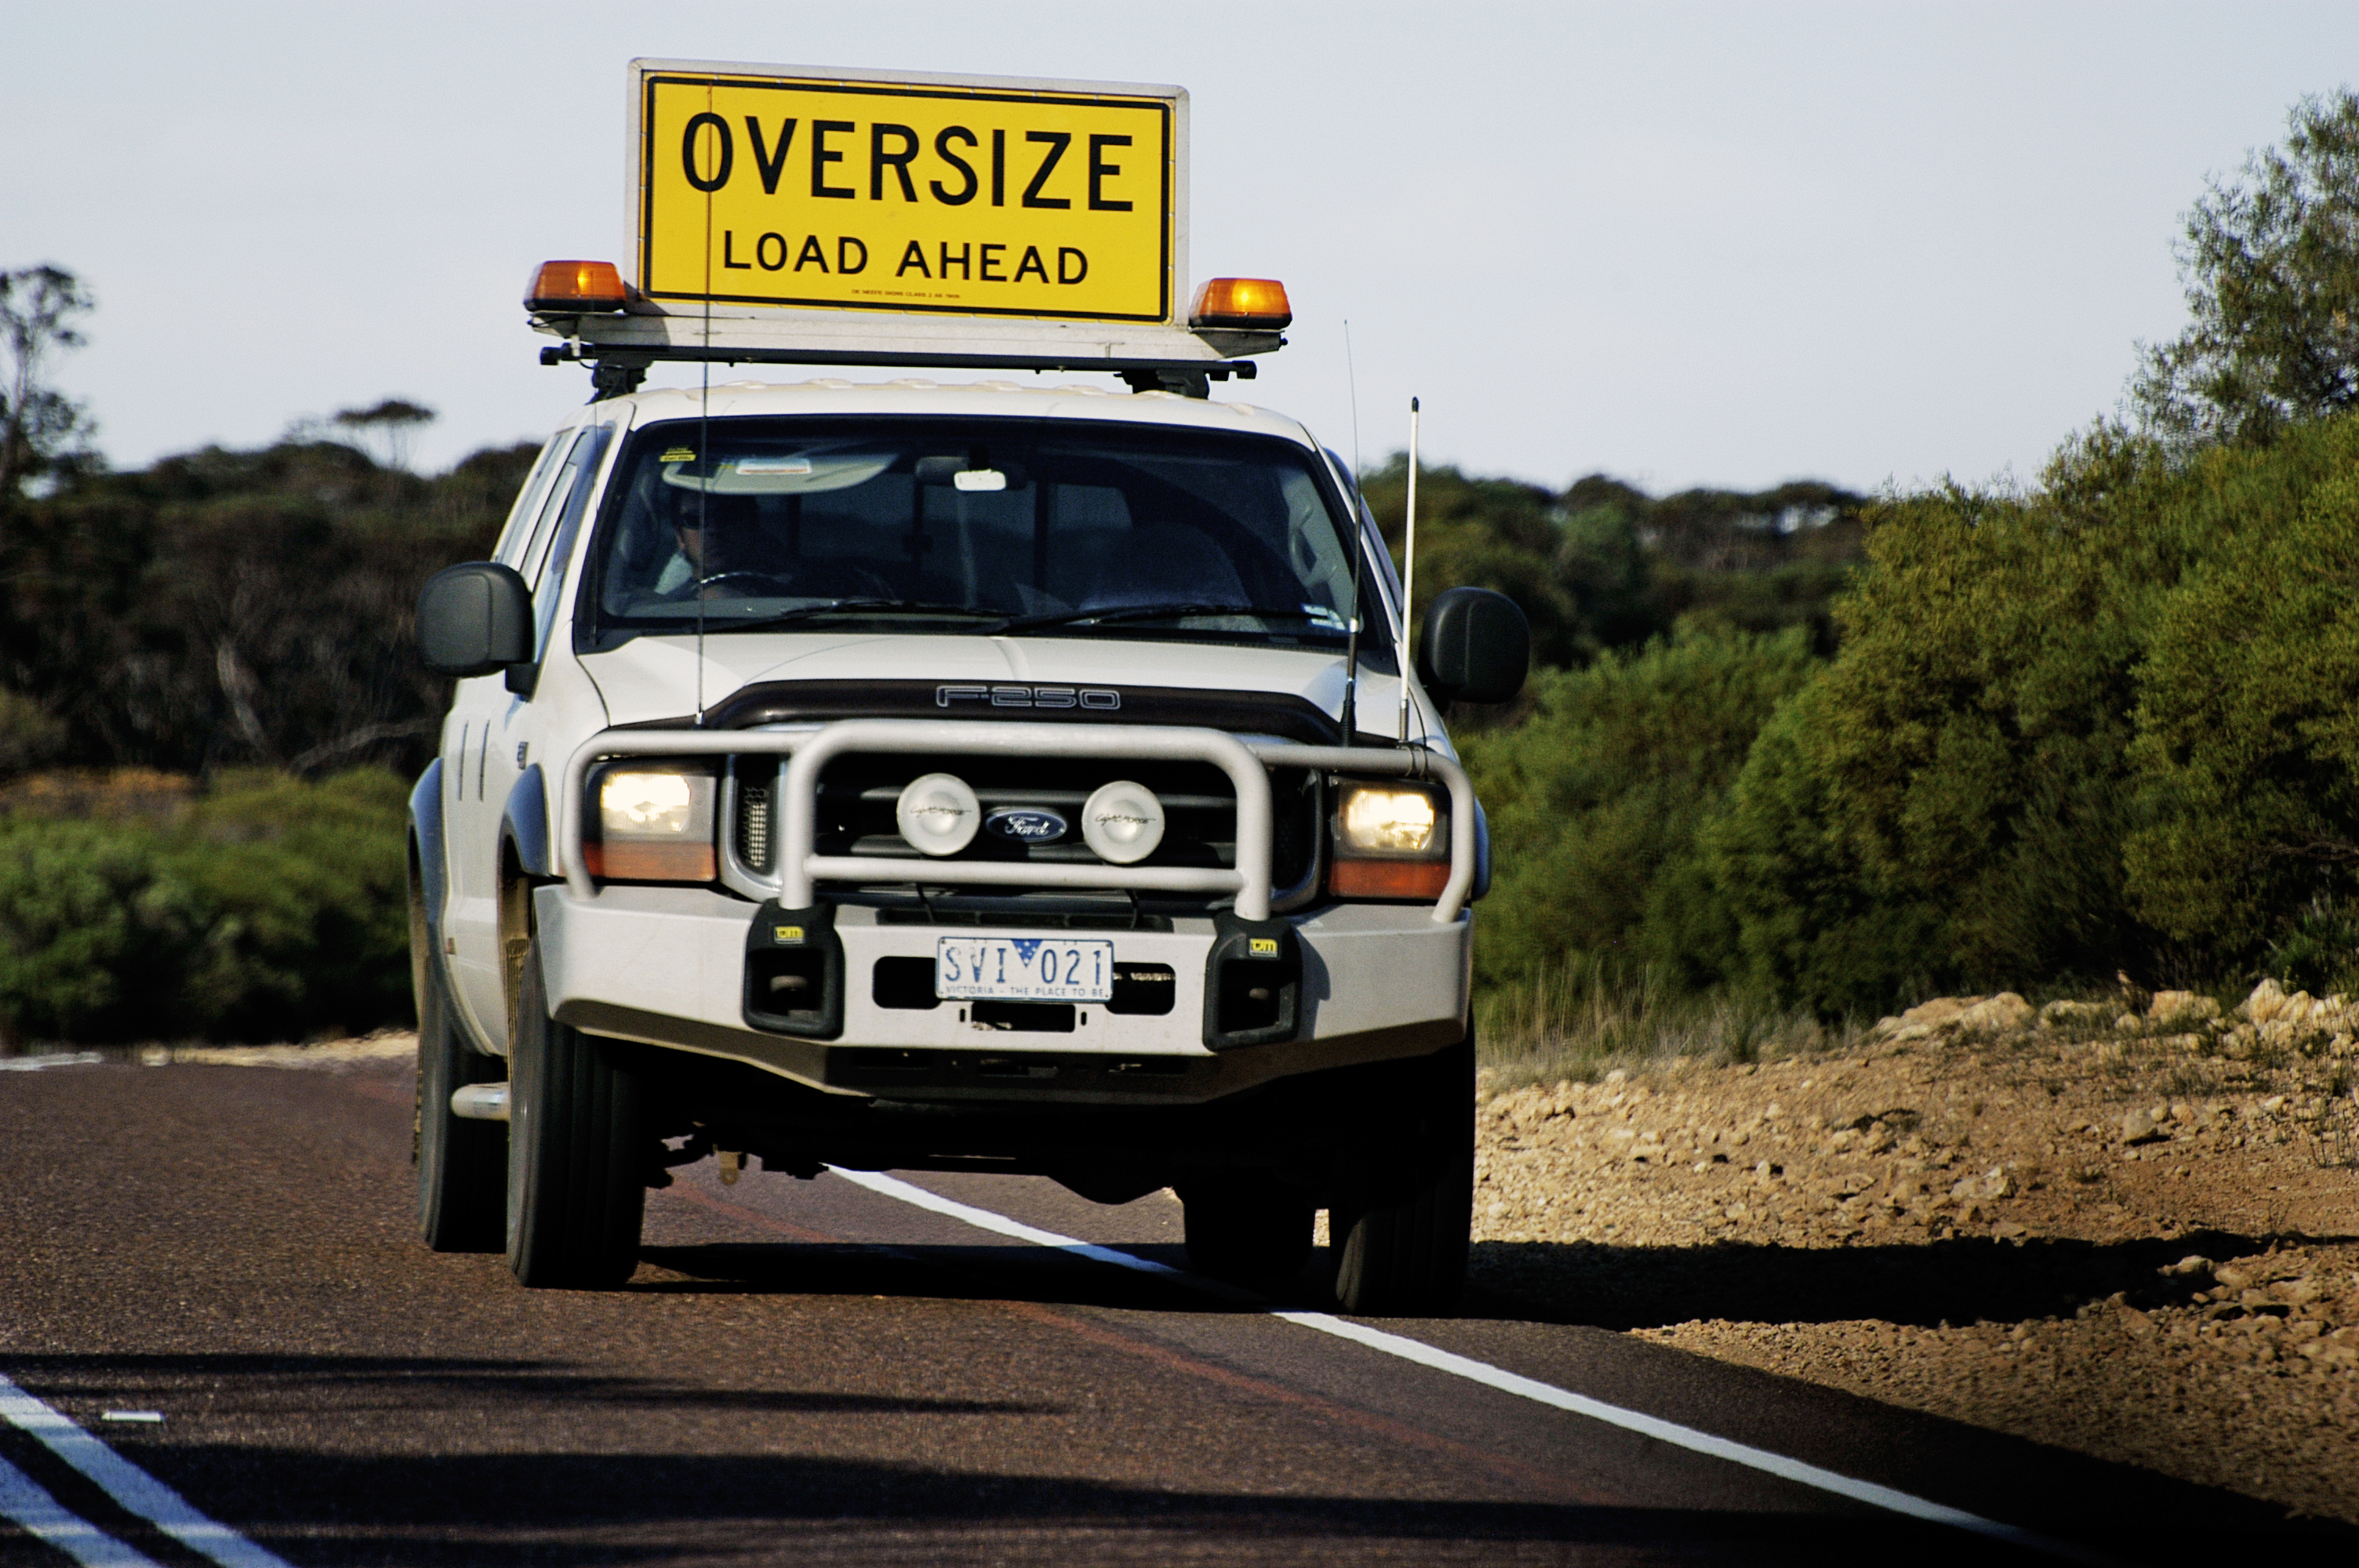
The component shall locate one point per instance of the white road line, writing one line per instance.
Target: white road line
(61, 1059)
(1498, 1378)
(28, 1504)
(129, 1485)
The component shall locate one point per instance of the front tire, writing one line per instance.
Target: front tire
(1401, 1249)
(461, 1164)
(577, 1137)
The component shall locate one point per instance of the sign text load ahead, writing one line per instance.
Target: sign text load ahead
(964, 197)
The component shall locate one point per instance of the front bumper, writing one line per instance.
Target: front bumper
(666, 967)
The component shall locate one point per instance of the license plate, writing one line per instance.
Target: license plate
(1022, 968)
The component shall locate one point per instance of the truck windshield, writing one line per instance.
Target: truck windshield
(1033, 528)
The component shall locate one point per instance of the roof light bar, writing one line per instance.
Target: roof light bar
(1241, 302)
(568, 288)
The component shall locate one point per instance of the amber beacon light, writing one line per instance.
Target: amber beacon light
(1241, 302)
(575, 285)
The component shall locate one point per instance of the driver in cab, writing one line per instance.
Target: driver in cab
(709, 531)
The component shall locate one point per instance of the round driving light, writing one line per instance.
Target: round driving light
(1122, 822)
(938, 813)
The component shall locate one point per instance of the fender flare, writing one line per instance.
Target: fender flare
(1482, 853)
(524, 822)
(426, 835)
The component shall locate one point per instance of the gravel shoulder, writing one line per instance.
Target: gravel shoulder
(2134, 1234)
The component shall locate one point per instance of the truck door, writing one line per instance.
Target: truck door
(489, 722)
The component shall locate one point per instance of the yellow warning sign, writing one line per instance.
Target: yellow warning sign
(756, 189)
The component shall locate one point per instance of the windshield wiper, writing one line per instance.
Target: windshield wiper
(1157, 612)
(841, 606)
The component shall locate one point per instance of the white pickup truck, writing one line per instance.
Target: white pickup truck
(992, 777)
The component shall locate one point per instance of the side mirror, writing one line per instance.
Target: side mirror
(1475, 646)
(474, 618)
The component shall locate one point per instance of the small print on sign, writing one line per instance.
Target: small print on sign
(906, 196)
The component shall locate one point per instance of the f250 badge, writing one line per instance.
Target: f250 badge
(1098, 699)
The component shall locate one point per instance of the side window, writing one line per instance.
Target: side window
(552, 506)
(1317, 555)
(516, 532)
(569, 500)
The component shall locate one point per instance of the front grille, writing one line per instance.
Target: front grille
(857, 795)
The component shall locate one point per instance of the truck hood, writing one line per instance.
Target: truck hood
(649, 680)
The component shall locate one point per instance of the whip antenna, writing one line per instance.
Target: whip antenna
(1351, 385)
(1408, 572)
(1350, 713)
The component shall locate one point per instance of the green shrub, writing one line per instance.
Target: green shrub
(269, 908)
(1947, 808)
(305, 887)
(2248, 707)
(1812, 927)
(78, 930)
(2106, 725)
(1595, 802)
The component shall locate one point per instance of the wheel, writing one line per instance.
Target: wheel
(577, 1151)
(1245, 1232)
(1401, 1246)
(461, 1164)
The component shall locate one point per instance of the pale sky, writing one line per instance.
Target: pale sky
(1724, 244)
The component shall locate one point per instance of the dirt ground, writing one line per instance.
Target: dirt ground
(2135, 1234)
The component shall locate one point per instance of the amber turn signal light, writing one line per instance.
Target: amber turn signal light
(1388, 879)
(571, 286)
(1241, 302)
(629, 862)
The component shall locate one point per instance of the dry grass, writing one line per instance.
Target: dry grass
(99, 794)
(1585, 1018)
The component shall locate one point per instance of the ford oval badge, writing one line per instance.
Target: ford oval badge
(1026, 824)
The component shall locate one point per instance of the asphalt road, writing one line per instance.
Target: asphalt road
(824, 1371)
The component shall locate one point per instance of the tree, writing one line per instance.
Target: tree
(1946, 805)
(2248, 714)
(2270, 263)
(225, 608)
(41, 431)
(386, 431)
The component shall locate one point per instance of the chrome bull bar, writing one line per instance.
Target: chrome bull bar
(803, 754)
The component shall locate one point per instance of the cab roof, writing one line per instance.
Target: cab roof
(984, 399)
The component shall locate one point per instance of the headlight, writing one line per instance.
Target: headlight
(1389, 821)
(655, 805)
(1391, 841)
(654, 824)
